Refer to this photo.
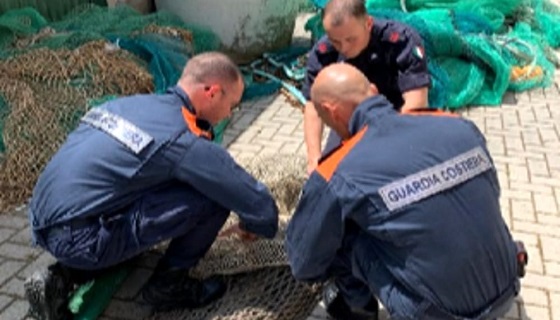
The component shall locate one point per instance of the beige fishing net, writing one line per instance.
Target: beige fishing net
(47, 92)
(260, 283)
(52, 72)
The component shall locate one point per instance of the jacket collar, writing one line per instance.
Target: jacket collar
(370, 110)
(199, 127)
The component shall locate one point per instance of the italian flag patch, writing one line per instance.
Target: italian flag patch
(419, 52)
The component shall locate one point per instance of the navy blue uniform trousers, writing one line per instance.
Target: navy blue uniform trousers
(175, 211)
(355, 268)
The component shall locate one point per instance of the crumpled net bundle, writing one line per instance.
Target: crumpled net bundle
(47, 92)
(260, 283)
(52, 72)
(476, 49)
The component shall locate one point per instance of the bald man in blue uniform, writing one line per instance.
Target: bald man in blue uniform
(406, 210)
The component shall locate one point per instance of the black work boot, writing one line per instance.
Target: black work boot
(338, 309)
(48, 293)
(175, 289)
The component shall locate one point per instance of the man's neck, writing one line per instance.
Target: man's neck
(190, 90)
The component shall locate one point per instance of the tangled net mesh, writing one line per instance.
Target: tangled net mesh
(47, 92)
(260, 283)
(52, 72)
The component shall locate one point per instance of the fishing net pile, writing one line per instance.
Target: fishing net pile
(260, 284)
(52, 72)
(477, 49)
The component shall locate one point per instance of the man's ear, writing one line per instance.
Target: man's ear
(328, 106)
(212, 90)
(369, 22)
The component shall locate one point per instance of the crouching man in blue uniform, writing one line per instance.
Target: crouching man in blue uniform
(138, 171)
(405, 210)
(389, 53)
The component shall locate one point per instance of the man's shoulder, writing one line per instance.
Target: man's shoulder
(135, 98)
(392, 31)
(324, 51)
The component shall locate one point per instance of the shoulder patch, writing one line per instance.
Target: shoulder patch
(436, 179)
(119, 128)
(322, 47)
(394, 37)
(418, 51)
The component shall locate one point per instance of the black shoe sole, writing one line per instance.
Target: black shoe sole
(35, 294)
(47, 296)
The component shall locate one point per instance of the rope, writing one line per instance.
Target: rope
(403, 6)
(506, 43)
(290, 70)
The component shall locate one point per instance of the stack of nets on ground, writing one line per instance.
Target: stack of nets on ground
(50, 10)
(260, 284)
(477, 49)
(52, 72)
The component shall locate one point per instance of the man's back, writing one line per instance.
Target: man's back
(430, 203)
(96, 171)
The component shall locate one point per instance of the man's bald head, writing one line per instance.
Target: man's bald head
(337, 91)
(338, 10)
(340, 82)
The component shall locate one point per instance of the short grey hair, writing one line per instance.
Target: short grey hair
(211, 66)
(338, 10)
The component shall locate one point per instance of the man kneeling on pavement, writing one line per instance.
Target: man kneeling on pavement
(138, 171)
(405, 210)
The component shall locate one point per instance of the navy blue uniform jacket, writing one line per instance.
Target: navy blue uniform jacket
(424, 191)
(394, 61)
(133, 145)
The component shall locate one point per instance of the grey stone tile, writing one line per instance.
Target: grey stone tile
(8, 269)
(6, 233)
(16, 311)
(18, 251)
(13, 287)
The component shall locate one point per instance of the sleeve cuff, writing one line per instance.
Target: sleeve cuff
(267, 231)
(414, 81)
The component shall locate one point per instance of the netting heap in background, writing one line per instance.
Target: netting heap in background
(52, 72)
(260, 284)
(477, 49)
(50, 10)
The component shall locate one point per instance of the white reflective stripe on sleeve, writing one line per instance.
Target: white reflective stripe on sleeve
(119, 128)
(433, 180)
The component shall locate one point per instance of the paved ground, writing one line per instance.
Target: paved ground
(523, 135)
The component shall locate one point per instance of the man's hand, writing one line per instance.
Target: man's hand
(243, 235)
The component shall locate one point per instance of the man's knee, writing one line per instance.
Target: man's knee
(73, 245)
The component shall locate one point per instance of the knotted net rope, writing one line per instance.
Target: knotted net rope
(260, 284)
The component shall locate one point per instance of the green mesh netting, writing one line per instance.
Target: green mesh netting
(51, 10)
(51, 73)
(505, 7)
(477, 49)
